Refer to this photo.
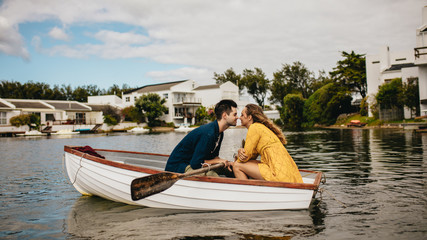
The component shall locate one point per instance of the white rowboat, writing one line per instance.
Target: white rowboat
(111, 177)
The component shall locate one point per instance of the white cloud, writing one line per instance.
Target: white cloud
(59, 34)
(198, 74)
(219, 34)
(111, 37)
(11, 42)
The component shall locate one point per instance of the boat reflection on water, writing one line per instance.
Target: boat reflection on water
(94, 217)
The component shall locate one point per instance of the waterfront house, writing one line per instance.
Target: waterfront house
(407, 65)
(420, 53)
(184, 97)
(53, 113)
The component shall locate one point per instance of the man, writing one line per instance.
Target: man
(201, 146)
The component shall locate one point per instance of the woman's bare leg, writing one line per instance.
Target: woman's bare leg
(247, 169)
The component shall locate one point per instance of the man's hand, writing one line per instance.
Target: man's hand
(216, 160)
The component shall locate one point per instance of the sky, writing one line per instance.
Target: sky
(142, 42)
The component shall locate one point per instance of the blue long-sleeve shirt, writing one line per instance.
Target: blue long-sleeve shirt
(203, 143)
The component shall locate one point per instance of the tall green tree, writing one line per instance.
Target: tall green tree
(292, 113)
(412, 96)
(351, 72)
(201, 115)
(116, 90)
(229, 75)
(67, 91)
(80, 94)
(257, 84)
(133, 114)
(152, 106)
(295, 78)
(326, 104)
(390, 95)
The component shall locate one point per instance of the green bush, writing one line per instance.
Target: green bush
(364, 107)
(326, 104)
(292, 113)
(20, 120)
(201, 115)
(390, 95)
(110, 120)
(133, 114)
(111, 115)
(26, 119)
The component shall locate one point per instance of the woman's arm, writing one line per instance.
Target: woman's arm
(252, 140)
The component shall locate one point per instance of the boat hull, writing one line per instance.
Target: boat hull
(91, 175)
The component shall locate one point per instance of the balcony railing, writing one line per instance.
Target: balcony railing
(187, 100)
(419, 51)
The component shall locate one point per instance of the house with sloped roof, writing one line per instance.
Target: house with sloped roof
(51, 112)
(184, 97)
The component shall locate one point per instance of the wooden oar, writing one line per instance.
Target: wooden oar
(146, 186)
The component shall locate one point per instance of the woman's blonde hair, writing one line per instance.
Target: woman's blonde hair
(258, 116)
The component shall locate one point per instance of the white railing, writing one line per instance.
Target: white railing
(187, 100)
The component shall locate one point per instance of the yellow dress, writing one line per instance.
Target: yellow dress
(276, 163)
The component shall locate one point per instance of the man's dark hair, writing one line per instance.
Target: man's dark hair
(224, 106)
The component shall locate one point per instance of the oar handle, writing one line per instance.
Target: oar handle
(202, 170)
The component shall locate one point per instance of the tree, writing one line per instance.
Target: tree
(229, 75)
(294, 78)
(67, 91)
(111, 115)
(152, 106)
(80, 94)
(412, 96)
(326, 104)
(351, 72)
(133, 114)
(390, 95)
(26, 119)
(292, 113)
(257, 84)
(201, 115)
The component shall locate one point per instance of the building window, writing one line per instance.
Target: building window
(50, 117)
(3, 120)
(375, 62)
(165, 96)
(134, 99)
(400, 59)
(127, 99)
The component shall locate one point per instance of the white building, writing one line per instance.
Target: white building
(421, 60)
(387, 65)
(57, 114)
(184, 97)
(112, 100)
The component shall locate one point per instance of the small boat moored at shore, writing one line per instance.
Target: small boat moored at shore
(184, 129)
(32, 133)
(138, 130)
(109, 173)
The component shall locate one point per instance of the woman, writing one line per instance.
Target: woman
(264, 138)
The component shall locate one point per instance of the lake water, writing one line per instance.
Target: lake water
(375, 189)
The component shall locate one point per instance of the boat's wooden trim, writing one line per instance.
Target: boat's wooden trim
(314, 186)
(72, 150)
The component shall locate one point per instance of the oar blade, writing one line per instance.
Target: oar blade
(146, 186)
